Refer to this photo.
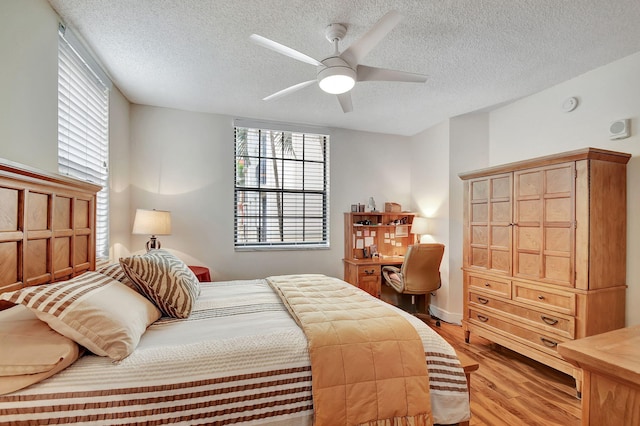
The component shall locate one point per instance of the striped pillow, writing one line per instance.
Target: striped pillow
(165, 279)
(115, 271)
(92, 309)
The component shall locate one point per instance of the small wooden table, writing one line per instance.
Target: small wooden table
(610, 365)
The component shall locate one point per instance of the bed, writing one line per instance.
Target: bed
(239, 356)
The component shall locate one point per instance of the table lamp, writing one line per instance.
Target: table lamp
(152, 222)
(419, 227)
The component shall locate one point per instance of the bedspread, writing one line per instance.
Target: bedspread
(239, 358)
(367, 361)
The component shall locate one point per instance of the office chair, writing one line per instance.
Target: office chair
(419, 273)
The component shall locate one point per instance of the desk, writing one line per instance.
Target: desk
(610, 365)
(367, 273)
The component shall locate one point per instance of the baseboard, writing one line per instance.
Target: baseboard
(453, 318)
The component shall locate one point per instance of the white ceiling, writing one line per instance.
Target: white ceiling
(196, 55)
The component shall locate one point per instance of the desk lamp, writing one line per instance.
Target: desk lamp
(152, 222)
(419, 227)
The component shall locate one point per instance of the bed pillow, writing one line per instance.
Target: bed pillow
(115, 271)
(92, 309)
(165, 279)
(30, 351)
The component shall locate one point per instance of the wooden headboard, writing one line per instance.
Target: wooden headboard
(47, 226)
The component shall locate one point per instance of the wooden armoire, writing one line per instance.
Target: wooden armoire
(544, 257)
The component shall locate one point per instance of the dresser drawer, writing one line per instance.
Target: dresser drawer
(545, 342)
(493, 286)
(563, 325)
(548, 299)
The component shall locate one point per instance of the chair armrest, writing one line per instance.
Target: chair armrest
(393, 278)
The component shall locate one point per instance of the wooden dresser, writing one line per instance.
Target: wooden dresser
(544, 257)
(611, 370)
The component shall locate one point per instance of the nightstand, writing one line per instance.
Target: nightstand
(202, 273)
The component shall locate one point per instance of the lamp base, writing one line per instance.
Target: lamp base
(153, 243)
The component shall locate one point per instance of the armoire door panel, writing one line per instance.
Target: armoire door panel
(558, 210)
(528, 238)
(479, 235)
(479, 257)
(527, 265)
(501, 212)
(558, 269)
(479, 213)
(500, 237)
(558, 239)
(528, 183)
(479, 190)
(500, 261)
(528, 211)
(501, 187)
(558, 180)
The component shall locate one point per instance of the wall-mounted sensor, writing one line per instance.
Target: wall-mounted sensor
(569, 104)
(619, 129)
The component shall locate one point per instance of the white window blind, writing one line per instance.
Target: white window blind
(281, 189)
(83, 124)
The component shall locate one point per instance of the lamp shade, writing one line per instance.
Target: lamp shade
(152, 222)
(420, 226)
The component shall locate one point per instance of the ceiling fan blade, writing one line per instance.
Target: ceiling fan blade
(361, 47)
(288, 90)
(366, 73)
(282, 49)
(345, 102)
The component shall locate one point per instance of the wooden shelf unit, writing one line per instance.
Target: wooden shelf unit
(365, 273)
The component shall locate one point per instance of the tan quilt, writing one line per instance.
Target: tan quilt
(368, 362)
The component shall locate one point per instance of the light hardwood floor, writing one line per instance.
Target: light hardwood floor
(511, 390)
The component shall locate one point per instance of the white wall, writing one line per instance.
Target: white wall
(429, 162)
(29, 83)
(463, 157)
(437, 156)
(119, 176)
(183, 162)
(29, 103)
(536, 126)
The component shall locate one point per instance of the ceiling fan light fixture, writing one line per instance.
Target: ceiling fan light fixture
(336, 80)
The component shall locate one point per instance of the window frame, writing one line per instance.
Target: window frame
(322, 193)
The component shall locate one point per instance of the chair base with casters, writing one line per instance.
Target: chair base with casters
(419, 275)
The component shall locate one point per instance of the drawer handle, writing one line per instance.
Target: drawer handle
(487, 285)
(371, 272)
(550, 321)
(483, 300)
(483, 318)
(541, 297)
(549, 343)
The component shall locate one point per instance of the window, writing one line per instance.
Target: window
(281, 189)
(83, 120)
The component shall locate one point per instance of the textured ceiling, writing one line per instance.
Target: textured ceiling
(196, 55)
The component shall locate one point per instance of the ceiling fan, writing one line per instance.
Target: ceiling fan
(338, 73)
